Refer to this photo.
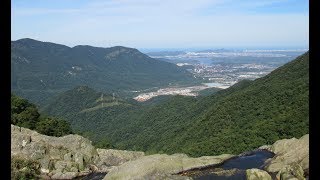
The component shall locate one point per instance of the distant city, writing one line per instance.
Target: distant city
(220, 68)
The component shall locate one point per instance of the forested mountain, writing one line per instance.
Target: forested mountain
(42, 69)
(243, 117)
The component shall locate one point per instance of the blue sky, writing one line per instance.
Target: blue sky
(164, 23)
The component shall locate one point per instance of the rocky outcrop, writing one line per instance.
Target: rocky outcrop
(111, 157)
(257, 174)
(65, 157)
(70, 156)
(162, 166)
(291, 172)
(288, 152)
(60, 157)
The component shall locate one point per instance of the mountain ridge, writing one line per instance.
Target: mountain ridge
(40, 70)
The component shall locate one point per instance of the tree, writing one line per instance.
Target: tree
(25, 114)
(53, 127)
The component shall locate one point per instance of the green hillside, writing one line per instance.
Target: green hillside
(243, 117)
(40, 70)
(26, 114)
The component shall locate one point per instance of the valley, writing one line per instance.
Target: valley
(207, 118)
(160, 90)
(268, 108)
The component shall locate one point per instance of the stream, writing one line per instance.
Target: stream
(232, 169)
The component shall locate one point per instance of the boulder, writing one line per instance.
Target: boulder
(61, 157)
(257, 174)
(291, 172)
(287, 152)
(111, 157)
(162, 166)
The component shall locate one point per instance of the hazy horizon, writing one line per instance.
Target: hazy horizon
(164, 24)
(158, 49)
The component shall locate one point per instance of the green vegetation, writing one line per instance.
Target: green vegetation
(103, 143)
(240, 118)
(209, 91)
(53, 127)
(25, 114)
(24, 169)
(40, 70)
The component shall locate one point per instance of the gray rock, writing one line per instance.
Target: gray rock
(56, 175)
(73, 169)
(67, 175)
(226, 172)
(45, 177)
(111, 157)
(78, 158)
(72, 153)
(293, 171)
(58, 155)
(257, 174)
(161, 165)
(265, 147)
(68, 156)
(60, 165)
(44, 171)
(44, 162)
(289, 151)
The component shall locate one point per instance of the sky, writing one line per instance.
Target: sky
(164, 23)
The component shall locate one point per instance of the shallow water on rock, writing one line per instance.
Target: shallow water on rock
(92, 176)
(254, 159)
(233, 168)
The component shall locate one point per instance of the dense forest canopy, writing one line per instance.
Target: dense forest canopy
(26, 114)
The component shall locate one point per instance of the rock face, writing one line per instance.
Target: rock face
(65, 157)
(257, 174)
(162, 166)
(288, 152)
(60, 157)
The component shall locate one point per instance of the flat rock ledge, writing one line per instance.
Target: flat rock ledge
(162, 166)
